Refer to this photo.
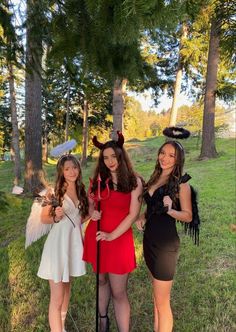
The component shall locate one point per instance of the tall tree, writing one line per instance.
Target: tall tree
(222, 24)
(85, 134)
(178, 79)
(33, 97)
(15, 129)
(67, 111)
(108, 38)
(119, 91)
(208, 149)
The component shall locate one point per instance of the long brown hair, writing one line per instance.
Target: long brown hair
(126, 177)
(172, 186)
(61, 185)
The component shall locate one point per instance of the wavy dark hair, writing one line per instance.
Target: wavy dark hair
(172, 187)
(61, 185)
(126, 177)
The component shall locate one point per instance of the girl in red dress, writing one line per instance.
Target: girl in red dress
(119, 209)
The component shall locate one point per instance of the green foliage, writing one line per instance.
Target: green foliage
(195, 48)
(82, 87)
(225, 12)
(139, 123)
(9, 41)
(163, 46)
(5, 124)
(106, 36)
(192, 117)
(205, 280)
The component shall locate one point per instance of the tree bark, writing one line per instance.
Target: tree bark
(85, 134)
(45, 138)
(34, 177)
(208, 149)
(119, 90)
(67, 111)
(177, 87)
(15, 129)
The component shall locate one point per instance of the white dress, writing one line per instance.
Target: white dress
(63, 249)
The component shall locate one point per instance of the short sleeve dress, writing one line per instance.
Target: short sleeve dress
(117, 256)
(161, 240)
(63, 249)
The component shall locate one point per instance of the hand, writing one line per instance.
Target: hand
(167, 201)
(140, 223)
(59, 213)
(103, 236)
(96, 215)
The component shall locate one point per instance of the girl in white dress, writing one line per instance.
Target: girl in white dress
(63, 249)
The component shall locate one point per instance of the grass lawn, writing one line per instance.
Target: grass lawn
(203, 294)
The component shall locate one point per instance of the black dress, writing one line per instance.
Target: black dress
(161, 240)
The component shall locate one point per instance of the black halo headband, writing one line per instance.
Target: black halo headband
(119, 142)
(176, 132)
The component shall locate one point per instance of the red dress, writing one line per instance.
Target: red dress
(117, 256)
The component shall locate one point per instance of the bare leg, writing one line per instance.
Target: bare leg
(57, 295)
(155, 312)
(55, 305)
(161, 290)
(65, 304)
(104, 298)
(121, 304)
(63, 319)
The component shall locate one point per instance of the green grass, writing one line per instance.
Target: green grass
(203, 295)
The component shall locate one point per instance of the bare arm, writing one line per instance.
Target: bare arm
(47, 218)
(93, 213)
(185, 214)
(141, 221)
(126, 223)
(91, 206)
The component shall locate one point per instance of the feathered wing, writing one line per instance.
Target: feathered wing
(34, 228)
(192, 228)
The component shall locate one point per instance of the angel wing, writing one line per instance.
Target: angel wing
(34, 228)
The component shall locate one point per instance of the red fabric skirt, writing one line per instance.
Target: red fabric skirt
(117, 256)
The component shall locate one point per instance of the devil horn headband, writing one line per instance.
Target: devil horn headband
(176, 132)
(121, 139)
(96, 143)
(119, 142)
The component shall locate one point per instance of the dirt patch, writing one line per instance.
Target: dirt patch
(232, 227)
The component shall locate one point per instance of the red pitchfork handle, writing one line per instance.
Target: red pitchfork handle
(98, 200)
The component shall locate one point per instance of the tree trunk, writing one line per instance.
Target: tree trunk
(208, 149)
(67, 111)
(15, 129)
(85, 135)
(119, 90)
(34, 179)
(45, 138)
(177, 87)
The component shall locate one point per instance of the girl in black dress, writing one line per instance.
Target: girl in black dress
(168, 198)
